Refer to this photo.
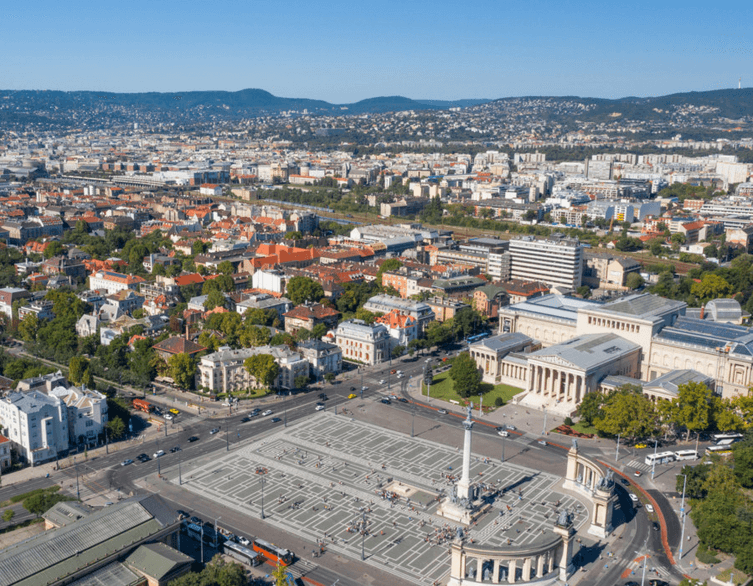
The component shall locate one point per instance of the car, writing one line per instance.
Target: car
(632, 584)
(625, 481)
(655, 526)
(542, 442)
(275, 420)
(633, 497)
(319, 407)
(649, 508)
(192, 439)
(168, 417)
(255, 412)
(158, 454)
(637, 473)
(503, 433)
(196, 521)
(442, 411)
(386, 401)
(352, 396)
(267, 413)
(393, 371)
(215, 430)
(323, 396)
(510, 427)
(403, 400)
(182, 514)
(382, 381)
(126, 462)
(657, 582)
(352, 388)
(174, 411)
(243, 541)
(143, 457)
(245, 419)
(364, 388)
(640, 446)
(174, 449)
(400, 375)
(393, 397)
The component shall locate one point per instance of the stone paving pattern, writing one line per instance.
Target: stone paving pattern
(320, 473)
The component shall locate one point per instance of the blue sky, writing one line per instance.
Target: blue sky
(347, 51)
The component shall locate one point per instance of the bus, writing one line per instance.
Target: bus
(142, 405)
(193, 531)
(477, 337)
(271, 552)
(660, 458)
(727, 442)
(723, 451)
(241, 554)
(732, 435)
(686, 455)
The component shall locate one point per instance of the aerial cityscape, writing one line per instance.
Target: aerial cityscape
(497, 332)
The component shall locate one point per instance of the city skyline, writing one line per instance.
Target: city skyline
(348, 53)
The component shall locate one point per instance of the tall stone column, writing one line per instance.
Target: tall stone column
(465, 480)
(540, 566)
(527, 569)
(512, 570)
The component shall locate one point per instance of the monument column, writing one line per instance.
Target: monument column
(495, 575)
(464, 483)
(512, 570)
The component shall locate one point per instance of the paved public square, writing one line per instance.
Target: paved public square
(321, 474)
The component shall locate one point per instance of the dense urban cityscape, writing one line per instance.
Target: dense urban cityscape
(361, 339)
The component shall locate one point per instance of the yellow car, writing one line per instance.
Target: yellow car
(352, 396)
(640, 446)
(174, 411)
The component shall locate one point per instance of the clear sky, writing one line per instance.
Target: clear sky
(344, 51)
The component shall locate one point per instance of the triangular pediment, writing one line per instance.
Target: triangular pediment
(555, 360)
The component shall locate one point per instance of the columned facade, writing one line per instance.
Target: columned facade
(587, 477)
(477, 565)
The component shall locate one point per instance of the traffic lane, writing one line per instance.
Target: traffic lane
(22, 487)
(674, 527)
(19, 515)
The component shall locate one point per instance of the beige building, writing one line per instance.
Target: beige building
(362, 342)
(223, 371)
(500, 358)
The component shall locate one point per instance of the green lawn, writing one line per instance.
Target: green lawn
(443, 387)
(582, 427)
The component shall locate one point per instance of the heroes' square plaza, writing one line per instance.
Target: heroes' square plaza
(323, 476)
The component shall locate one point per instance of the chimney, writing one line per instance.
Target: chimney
(703, 311)
(187, 336)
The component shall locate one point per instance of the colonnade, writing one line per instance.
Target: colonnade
(556, 383)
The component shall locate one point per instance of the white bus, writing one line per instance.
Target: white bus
(686, 455)
(242, 554)
(660, 458)
(732, 435)
(723, 451)
(728, 441)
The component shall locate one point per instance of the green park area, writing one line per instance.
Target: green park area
(443, 387)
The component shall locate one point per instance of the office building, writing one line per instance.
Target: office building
(556, 262)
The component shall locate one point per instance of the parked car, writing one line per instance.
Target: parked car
(364, 388)
(168, 417)
(243, 541)
(637, 473)
(403, 400)
(174, 411)
(542, 442)
(126, 462)
(633, 497)
(196, 521)
(382, 381)
(510, 427)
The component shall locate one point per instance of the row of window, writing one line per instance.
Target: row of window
(614, 324)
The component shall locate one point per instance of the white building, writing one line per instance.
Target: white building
(269, 280)
(223, 371)
(37, 424)
(361, 342)
(323, 357)
(558, 263)
(87, 414)
(113, 282)
(418, 310)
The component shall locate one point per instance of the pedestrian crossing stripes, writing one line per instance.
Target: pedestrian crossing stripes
(638, 465)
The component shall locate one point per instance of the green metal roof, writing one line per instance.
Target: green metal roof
(157, 560)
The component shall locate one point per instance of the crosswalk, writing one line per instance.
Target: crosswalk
(642, 466)
(301, 567)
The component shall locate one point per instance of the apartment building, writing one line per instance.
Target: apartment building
(418, 310)
(556, 262)
(113, 282)
(323, 357)
(308, 316)
(402, 328)
(223, 371)
(362, 342)
(37, 424)
(87, 413)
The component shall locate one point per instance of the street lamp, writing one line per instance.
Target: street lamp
(107, 444)
(503, 449)
(617, 453)
(360, 368)
(75, 465)
(653, 464)
(363, 533)
(412, 418)
(262, 496)
(682, 512)
(180, 475)
(227, 438)
(216, 532)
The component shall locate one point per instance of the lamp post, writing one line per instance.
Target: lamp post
(363, 534)
(285, 422)
(617, 453)
(360, 368)
(202, 543)
(75, 465)
(216, 531)
(543, 430)
(180, 475)
(503, 449)
(412, 419)
(653, 464)
(262, 496)
(227, 438)
(682, 512)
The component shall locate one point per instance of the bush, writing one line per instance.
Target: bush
(498, 402)
(705, 556)
(568, 421)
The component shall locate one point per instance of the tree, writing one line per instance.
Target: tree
(302, 289)
(590, 407)
(743, 458)
(397, 351)
(391, 264)
(301, 382)
(76, 368)
(182, 370)
(29, 327)
(693, 407)
(711, 287)
(116, 428)
(329, 377)
(263, 368)
(634, 280)
(627, 413)
(215, 298)
(225, 267)
(54, 248)
(466, 375)
(694, 488)
(254, 336)
(8, 515)
(584, 291)
(199, 247)
(218, 572)
(40, 502)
